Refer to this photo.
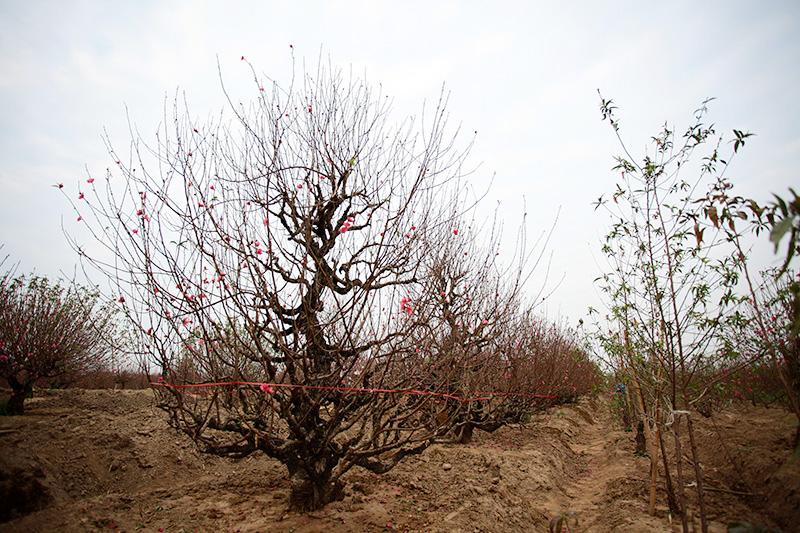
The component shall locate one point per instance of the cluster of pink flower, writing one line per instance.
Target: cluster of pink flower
(259, 250)
(347, 224)
(405, 306)
(266, 388)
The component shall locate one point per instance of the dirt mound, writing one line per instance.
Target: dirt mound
(748, 460)
(107, 460)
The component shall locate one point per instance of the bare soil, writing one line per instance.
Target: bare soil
(106, 460)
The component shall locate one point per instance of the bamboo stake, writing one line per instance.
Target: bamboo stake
(679, 467)
(698, 473)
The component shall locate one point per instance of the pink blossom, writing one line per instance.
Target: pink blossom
(81, 196)
(121, 299)
(79, 218)
(405, 306)
(266, 388)
(455, 232)
(299, 185)
(135, 231)
(186, 322)
(90, 180)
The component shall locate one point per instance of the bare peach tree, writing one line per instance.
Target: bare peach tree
(49, 331)
(472, 334)
(281, 251)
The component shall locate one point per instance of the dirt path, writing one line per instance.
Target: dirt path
(605, 494)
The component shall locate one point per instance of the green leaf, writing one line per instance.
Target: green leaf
(779, 230)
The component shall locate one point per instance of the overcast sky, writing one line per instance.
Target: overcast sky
(523, 74)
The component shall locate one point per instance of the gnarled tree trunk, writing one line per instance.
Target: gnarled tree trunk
(19, 392)
(309, 493)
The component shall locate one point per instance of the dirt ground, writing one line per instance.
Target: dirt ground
(106, 460)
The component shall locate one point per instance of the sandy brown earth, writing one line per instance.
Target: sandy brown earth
(106, 460)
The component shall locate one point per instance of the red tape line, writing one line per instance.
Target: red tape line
(410, 392)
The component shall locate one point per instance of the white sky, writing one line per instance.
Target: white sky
(523, 74)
